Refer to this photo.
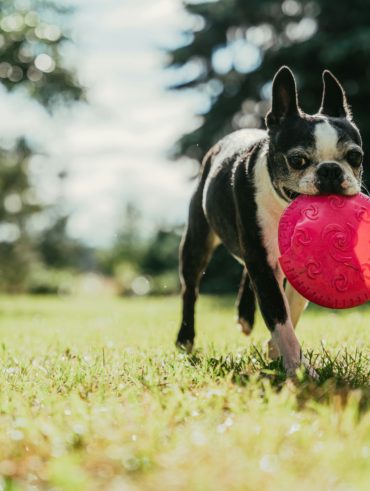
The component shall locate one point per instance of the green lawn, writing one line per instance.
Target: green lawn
(95, 397)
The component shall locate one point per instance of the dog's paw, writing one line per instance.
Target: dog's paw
(184, 345)
(293, 367)
(272, 350)
(244, 326)
(309, 369)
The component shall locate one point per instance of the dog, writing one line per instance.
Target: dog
(246, 181)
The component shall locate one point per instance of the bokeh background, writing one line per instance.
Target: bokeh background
(107, 107)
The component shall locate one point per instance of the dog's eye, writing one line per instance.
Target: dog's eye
(354, 158)
(297, 161)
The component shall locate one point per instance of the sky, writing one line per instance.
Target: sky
(115, 147)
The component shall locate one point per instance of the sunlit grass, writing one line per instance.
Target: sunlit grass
(95, 397)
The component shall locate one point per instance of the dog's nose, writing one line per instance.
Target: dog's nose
(329, 178)
(329, 171)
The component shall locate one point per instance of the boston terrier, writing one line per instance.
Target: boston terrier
(247, 180)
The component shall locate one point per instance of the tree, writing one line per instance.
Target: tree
(162, 252)
(31, 39)
(235, 47)
(128, 245)
(59, 251)
(17, 204)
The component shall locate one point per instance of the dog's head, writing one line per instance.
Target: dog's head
(317, 154)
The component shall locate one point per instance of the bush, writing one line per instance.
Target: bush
(46, 281)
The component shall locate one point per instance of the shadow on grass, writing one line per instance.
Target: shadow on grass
(339, 373)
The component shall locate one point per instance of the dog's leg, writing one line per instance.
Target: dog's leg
(275, 311)
(297, 304)
(195, 251)
(246, 304)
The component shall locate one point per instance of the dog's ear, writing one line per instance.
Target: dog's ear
(334, 100)
(284, 97)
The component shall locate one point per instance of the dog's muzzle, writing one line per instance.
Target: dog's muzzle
(329, 178)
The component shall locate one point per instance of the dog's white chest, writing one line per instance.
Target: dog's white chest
(269, 210)
(268, 219)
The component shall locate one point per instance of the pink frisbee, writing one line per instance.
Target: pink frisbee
(324, 243)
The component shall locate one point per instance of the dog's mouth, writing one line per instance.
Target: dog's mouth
(290, 194)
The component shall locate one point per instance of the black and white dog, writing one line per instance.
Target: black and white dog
(247, 180)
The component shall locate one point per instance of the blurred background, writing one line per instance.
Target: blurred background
(107, 107)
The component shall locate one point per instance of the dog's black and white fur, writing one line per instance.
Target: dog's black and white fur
(247, 180)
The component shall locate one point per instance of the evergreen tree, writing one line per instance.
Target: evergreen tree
(32, 35)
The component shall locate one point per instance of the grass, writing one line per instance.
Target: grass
(93, 396)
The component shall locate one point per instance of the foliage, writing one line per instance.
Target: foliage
(223, 274)
(19, 203)
(94, 396)
(128, 244)
(161, 254)
(43, 280)
(154, 258)
(157, 258)
(234, 47)
(58, 250)
(32, 37)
